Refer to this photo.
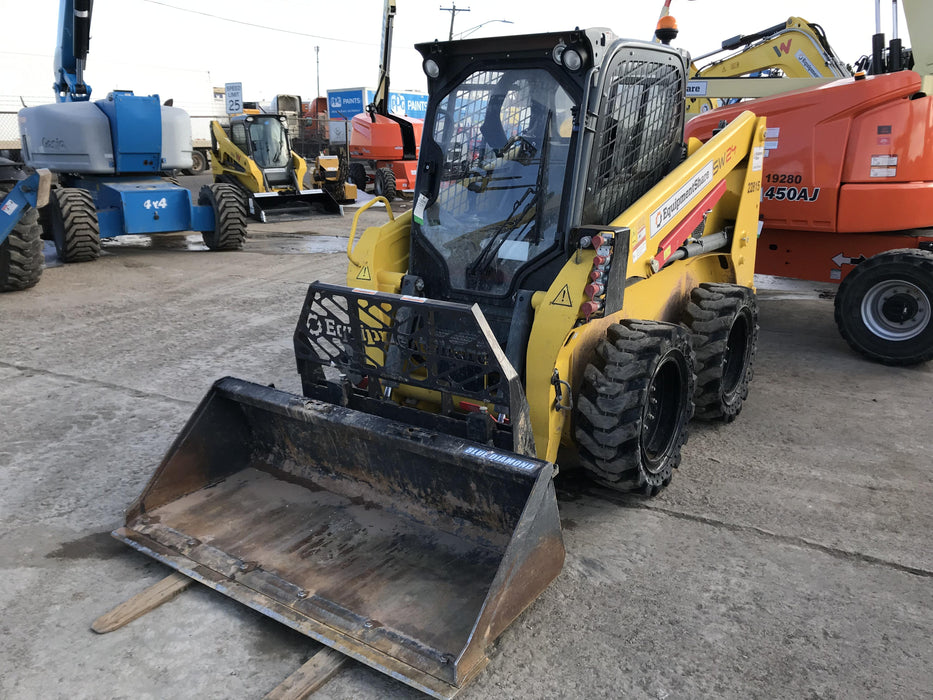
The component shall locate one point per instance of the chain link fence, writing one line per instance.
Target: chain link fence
(317, 135)
(9, 125)
(9, 131)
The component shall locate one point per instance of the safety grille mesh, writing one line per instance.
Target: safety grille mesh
(639, 126)
(401, 340)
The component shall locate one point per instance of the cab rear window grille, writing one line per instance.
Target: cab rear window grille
(639, 128)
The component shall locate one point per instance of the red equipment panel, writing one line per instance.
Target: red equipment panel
(823, 256)
(381, 140)
(850, 156)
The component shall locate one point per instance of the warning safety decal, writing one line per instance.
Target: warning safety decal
(883, 166)
(563, 297)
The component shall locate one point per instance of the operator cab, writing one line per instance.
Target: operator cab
(264, 138)
(508, 172)
(505, 137)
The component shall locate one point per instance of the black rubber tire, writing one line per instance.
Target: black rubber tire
(199, 162)
(21, 253)
(358, 176)
(384, 184)
(723, 320)
(229, 216)
(337, 189)
(883, 307)
(72, 216)
(635, 404)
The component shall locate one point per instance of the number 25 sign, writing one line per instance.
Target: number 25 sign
(234, 97)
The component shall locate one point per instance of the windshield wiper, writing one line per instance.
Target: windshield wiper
(503, 233)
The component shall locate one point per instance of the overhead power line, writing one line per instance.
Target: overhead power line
(258, 26)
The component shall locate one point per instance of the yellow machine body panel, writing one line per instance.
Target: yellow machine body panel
(732, 162)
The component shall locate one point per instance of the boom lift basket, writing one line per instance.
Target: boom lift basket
(408, 550)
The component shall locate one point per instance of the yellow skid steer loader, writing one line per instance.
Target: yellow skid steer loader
(254, 154)
(572, 280)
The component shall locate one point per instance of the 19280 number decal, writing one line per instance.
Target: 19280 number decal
(784, 178)
(792, 194)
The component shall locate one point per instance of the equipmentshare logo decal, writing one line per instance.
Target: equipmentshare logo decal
(664, 214)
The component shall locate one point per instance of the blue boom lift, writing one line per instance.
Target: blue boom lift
(109, 156)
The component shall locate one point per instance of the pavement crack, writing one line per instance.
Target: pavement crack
(135, 393)
(793, 540)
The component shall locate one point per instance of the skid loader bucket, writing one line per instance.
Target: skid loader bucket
(408, 550)
(283, 206)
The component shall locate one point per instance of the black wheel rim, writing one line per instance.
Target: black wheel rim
(735, 359)
(662, 418)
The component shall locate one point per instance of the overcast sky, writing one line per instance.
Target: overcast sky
(151, 46)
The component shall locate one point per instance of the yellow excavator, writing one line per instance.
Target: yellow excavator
(254, 154)
(571, 286)
(794, 49)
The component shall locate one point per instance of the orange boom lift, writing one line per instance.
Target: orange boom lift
(384, 146)
(847, 195)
